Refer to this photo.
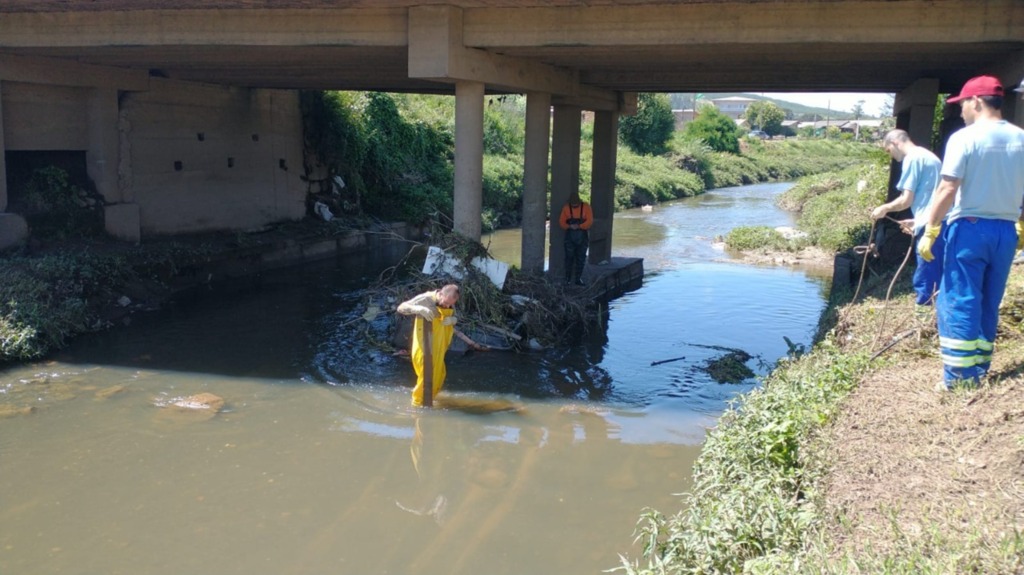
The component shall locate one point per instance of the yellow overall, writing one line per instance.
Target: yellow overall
(430, 341)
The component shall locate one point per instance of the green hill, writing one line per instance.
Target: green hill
(682, 101)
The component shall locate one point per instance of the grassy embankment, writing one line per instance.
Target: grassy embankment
(847, 460)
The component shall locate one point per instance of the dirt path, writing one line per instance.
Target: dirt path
(912, 466)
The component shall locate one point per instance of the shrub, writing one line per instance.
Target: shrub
(649, 130)
(715, 129)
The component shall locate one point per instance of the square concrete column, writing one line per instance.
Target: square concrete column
(3, 155)
(102, 156)
(535, 181)
(469, 158)
(914, 109)
(565, 179)
(602, 185)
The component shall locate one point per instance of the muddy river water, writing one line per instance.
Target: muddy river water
(541, 463)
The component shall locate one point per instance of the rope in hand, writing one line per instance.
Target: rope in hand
(871, 248)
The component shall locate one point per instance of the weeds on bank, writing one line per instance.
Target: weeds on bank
(45, 300)
(752, 495)
(757, 505)
(832, 210)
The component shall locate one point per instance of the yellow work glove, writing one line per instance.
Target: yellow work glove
(924, 245)
(1020, 235)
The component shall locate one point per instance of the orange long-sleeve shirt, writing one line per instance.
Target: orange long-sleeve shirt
(581, 211)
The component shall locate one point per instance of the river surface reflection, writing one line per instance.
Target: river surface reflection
(540, 463)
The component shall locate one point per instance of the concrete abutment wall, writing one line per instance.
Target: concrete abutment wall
(167, 157)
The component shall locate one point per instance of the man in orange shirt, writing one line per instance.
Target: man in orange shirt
(576, 219)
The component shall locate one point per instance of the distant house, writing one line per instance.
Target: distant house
(862, 128)
(734, 106)
(683, 117)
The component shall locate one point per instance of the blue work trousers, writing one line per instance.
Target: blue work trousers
(928, 275)
(979, 253)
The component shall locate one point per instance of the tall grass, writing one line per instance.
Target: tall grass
(752, 497)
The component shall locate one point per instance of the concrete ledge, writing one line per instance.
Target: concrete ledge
(13, 230)
(122, 222)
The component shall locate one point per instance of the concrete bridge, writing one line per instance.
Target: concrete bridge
(186, 111)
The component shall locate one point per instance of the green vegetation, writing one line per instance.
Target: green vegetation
(832, 208)
(715, 129)
(765, 116)
(760, 237)
(46, 299)
(58, 208)
(648, 131)
(760, 502)
(394, 154)
(752, 497)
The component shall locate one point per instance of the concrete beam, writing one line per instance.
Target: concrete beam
(691, 23)
(245, 27)
(64, 73)
(437, 53)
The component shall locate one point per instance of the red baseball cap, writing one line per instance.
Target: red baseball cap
(979, 86)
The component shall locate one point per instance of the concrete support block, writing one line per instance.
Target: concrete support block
(13, 230)
(102, 157)
(122, 221)
(535, 181)
(3, 149)
(915, 110)
(602, 190)
(469, 158)
(319, 250)
(565, 178)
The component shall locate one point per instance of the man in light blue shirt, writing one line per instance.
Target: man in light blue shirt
(918, 179)
(983, 183)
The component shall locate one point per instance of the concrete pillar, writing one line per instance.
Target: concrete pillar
(565, 179)
(103, 162)
(101, 157)
(602, 185)
(3, 154)
(535, 181)
(469, 158)
(914, 109)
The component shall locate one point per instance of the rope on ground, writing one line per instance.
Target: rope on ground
(885, 304)
(870, 248)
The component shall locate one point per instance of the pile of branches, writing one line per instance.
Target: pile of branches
(529, 312)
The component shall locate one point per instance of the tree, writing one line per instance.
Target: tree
(858, 109)
(715, 129)
(649, 130)
(765, 116)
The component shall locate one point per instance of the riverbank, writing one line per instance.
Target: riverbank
(847, 460)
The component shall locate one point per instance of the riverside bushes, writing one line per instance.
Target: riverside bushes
(753, 495)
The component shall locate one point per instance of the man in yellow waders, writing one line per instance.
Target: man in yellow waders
(431, 335)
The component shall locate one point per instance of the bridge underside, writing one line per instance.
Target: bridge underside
(570, 54)
(626, 46)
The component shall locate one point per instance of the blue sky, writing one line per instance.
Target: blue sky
(839, 101)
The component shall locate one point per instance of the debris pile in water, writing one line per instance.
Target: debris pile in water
(730, 368)
(526, 312)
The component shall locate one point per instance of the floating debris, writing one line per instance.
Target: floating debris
(515, 311)
(730, 368)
